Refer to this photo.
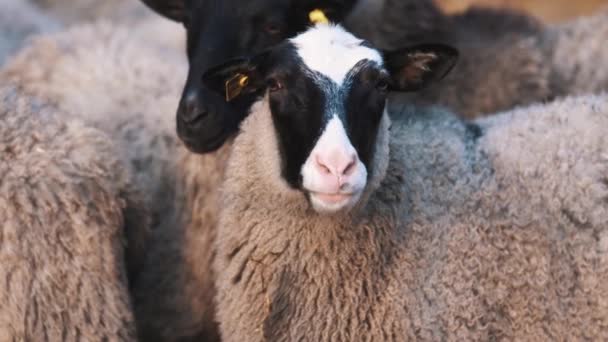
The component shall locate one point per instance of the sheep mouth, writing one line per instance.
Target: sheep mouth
(329, 203)
(332, 198)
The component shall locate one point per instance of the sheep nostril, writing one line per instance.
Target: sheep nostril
(321, 166)
(350, 167)
(191, 110)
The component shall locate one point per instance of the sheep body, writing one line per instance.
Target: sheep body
(490, 230)
(104, 75)
(68, 210)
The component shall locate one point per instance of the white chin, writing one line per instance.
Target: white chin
(330, 204)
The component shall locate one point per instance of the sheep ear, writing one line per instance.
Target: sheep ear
(416, 67)
(236, 77)
(172, 9)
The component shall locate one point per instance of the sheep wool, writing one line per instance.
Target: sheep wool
(68, 211)
(490, 230)
(128, 87)
(105, 75)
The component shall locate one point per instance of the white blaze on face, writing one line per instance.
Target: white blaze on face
(332, 51)
(333, 173)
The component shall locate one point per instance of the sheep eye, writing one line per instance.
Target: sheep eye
(274, 85)
(382, 85)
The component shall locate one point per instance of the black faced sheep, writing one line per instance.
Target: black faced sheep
(335, 227)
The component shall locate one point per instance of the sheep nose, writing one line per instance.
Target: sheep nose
(191, 109)
(339, 162)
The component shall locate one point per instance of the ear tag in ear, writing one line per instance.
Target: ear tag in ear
(317, 17)
(235, 85)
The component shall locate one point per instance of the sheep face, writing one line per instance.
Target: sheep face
(326, 92)
(221, 30)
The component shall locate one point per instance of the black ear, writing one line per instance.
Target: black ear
(416, 67)
(172, 9)
(237, 77)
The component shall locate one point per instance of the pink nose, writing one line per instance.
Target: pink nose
(337, 164)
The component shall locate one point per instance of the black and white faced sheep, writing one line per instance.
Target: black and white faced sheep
(68, 210)
(337, 224)
(221, 30)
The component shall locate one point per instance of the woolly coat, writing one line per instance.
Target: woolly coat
(104, 74)
(492, 230)
(68, 211)
(111, 77)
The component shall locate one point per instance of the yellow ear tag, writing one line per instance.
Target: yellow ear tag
(235, 85)
(317, 17)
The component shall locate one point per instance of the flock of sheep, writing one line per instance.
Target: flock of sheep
(113, 231)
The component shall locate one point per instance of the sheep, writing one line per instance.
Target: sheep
(68, 209)
(352, 227)
(19, 20)
(103, 74)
